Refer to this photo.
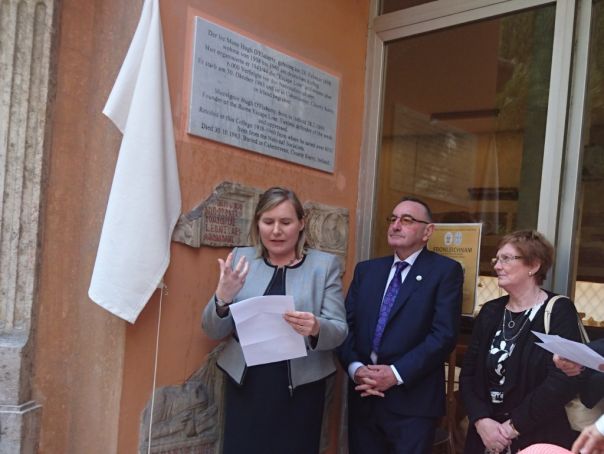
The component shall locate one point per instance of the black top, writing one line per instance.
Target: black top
(263, 415)
(535, 391)
(276, 286)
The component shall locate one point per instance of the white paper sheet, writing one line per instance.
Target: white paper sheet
(574, 351)
(264, 335)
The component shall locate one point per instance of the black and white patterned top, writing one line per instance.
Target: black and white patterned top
(502, 346)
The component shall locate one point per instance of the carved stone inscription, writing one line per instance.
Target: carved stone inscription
(251, 96)
(224, 220)
(221, 222)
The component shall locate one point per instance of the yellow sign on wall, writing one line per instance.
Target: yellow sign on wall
(460, 242)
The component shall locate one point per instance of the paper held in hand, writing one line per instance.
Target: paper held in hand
(574, 351)
(264, 335)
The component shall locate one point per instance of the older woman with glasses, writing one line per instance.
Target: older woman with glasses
(512, 391)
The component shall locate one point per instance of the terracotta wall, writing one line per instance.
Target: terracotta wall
(79, 347)
(94, 372)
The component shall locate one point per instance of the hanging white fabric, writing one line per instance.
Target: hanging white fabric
(144, 203)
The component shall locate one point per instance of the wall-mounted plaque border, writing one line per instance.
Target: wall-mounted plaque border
(251, 96)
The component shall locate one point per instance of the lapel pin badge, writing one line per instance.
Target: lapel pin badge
(418, 278)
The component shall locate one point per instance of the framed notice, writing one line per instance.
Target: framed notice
(460, 242)
(251, 96)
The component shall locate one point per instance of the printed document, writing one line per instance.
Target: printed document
(574, 351)
(264, 335)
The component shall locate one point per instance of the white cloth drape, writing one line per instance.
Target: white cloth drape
(144, 203)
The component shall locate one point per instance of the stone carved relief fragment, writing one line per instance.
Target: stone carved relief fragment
(189, 418)
(224, 219)
(327, 227)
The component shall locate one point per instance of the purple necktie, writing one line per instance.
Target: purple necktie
(387, 303)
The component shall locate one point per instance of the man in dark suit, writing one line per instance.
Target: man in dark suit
(592, 393)
(592, 390)
(403, 322)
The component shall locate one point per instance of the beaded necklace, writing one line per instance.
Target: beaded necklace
(290, 263)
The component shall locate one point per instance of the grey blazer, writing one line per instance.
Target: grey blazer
(316, 286)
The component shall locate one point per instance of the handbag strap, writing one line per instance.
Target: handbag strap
(548, 315)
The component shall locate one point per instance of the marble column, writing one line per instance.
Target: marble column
(27, 31)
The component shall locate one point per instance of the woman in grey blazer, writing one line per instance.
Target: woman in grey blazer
(278, 407)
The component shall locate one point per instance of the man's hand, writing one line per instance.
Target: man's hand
(590, 441)
(374, 380)
(383, 375)
(365, 383)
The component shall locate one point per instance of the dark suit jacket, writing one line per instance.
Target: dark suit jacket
(420, 333)
(592, 390)
(535, 389)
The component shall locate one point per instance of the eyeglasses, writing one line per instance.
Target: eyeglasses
(505, 259)
(405, 219)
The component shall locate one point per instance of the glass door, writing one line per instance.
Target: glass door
(463, 123)
(588, 263)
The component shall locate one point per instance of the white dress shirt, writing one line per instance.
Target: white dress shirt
(352, 367)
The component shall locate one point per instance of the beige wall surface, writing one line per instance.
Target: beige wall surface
(94, 372)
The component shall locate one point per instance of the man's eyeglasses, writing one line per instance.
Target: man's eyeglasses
(405, 219)
(505, 259)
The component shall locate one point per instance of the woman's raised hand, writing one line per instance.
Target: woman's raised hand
(231, 279)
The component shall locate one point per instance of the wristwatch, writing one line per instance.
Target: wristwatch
(221, 303)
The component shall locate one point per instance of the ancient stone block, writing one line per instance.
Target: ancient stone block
(189, 418)
(327, 227)
(224, 219)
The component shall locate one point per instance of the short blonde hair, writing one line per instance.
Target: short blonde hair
(268, 200)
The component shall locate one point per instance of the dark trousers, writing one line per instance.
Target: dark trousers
(376, 429)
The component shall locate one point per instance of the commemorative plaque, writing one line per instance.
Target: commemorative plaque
(251, 96)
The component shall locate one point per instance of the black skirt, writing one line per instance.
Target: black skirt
(263, 417)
